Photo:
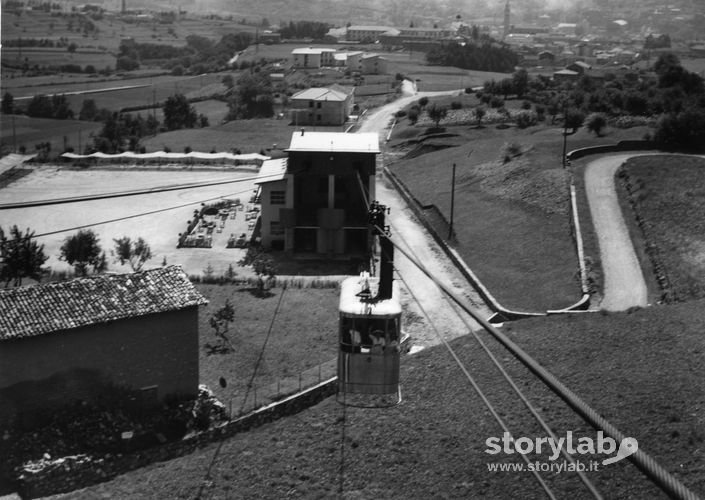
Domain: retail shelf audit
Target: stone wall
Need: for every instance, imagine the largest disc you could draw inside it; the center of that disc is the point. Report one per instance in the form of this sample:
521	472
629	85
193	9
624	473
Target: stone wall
71	473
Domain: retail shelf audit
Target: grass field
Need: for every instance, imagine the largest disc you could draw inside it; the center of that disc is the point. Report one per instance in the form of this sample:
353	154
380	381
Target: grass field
297	342
250	136
29	132
58	57
642	371
668	193
138	91
111	29
511	219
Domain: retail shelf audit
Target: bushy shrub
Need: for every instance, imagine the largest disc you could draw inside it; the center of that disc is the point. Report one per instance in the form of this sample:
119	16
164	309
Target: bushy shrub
526	119
629	121
496	101
456	105
510	150
413	115
400	114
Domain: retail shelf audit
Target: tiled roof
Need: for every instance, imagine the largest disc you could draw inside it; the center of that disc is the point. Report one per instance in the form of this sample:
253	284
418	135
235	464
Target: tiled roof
36	310
332	93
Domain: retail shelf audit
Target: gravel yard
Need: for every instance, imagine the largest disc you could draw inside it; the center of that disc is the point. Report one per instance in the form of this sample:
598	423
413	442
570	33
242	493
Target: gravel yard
170	211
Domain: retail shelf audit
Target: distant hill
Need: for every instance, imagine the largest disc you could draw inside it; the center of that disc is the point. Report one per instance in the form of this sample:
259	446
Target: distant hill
339	12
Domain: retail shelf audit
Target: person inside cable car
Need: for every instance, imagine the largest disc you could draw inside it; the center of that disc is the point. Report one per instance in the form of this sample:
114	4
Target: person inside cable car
378	341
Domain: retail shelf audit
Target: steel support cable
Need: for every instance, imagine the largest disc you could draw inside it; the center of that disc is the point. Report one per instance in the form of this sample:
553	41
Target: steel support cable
583	477
120	194
207	478
668	483
537	416
134	216
341	485
261	353
477	389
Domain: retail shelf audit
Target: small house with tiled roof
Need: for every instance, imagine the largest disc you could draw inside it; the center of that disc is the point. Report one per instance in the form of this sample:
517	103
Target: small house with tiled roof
321	105
71	340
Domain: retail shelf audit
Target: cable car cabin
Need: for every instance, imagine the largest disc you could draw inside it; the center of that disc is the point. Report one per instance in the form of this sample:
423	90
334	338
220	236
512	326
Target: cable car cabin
369	336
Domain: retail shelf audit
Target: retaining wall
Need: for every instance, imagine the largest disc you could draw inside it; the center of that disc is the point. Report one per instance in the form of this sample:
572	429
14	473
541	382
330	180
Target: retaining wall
610	148
501	314
71	473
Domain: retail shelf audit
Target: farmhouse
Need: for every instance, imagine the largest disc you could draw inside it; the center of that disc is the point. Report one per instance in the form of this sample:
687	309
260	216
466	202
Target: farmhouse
73	340
314	201
321	106
373	64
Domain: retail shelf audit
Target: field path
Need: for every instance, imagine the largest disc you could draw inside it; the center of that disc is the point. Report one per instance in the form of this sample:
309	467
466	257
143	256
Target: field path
378	120
625	286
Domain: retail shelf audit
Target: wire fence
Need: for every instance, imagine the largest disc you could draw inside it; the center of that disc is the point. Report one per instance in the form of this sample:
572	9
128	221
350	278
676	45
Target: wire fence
260	396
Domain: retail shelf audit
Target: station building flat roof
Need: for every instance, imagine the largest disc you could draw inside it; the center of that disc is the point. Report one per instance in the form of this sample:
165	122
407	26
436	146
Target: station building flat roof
339	142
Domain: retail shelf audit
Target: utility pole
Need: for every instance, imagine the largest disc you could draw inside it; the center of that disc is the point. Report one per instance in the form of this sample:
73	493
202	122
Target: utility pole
452	204
565	132
14	134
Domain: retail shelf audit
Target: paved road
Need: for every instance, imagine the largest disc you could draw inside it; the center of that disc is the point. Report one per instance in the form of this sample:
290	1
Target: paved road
624	286
406	229
379	119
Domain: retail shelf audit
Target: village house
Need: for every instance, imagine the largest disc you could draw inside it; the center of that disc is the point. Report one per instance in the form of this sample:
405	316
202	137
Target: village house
321	106
313	58
367	33
314	203
74	340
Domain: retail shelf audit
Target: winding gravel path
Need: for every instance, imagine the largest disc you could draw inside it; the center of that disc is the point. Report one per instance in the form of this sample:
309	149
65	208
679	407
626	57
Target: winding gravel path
624	286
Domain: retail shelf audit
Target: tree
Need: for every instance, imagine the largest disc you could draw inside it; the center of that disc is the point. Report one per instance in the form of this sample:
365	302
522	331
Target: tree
685	130
40	106
83	250
573	120
413	114
125	63
8	104
136	253
252	99
595	123
89	110
20	256
479	115
220	323
178	113
262	265
437	113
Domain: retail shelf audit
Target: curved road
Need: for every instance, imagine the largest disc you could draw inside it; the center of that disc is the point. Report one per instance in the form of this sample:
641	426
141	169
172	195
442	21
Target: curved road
624	285
379	119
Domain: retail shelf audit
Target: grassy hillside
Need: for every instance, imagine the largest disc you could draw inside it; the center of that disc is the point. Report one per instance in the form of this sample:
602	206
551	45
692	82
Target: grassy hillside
511	218
642	371
667	194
